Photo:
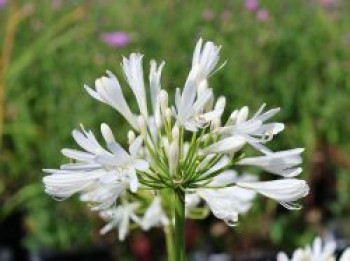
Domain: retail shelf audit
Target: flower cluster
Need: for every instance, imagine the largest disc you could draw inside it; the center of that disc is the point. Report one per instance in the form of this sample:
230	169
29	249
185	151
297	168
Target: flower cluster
316	252
187	147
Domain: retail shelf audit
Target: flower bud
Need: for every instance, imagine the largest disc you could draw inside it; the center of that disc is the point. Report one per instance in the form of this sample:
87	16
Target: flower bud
158	120
131	136
107	133
168	114
173	157
203	85
220	103
175	133
163	100
142	125
242	114
232	119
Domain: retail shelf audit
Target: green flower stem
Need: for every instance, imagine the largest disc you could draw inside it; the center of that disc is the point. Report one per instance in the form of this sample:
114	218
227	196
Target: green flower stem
169	238
179	224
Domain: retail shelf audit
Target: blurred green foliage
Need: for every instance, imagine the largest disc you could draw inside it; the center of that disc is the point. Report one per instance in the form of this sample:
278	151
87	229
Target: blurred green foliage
298	59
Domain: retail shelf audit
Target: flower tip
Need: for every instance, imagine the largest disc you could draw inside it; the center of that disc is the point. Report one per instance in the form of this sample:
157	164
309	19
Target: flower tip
107	132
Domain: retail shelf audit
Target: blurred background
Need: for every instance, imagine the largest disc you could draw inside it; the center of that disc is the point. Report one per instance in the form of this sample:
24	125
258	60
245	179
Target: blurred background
289	53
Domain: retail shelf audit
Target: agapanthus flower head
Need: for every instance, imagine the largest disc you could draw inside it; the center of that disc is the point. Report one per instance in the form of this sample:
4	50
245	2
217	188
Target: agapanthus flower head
186	146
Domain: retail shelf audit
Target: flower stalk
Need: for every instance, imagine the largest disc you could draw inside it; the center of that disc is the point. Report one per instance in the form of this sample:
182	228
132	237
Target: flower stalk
179	224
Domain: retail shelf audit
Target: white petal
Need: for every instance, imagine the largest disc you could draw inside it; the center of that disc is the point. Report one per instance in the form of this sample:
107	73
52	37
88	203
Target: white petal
230	144
133	71
284	191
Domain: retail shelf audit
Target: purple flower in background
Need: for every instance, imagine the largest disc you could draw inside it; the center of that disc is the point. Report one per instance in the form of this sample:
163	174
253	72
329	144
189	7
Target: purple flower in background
327	3
262	15
3	3
208	15
116	39
251	5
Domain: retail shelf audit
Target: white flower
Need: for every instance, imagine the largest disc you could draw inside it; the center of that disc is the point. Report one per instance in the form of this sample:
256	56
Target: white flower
204	60
255	131
120	217
155	88
316	252
108	90
298	255
133	72
225	202
284	191
346	255
226	145
163	157
154	215
190	103
99	174
283	163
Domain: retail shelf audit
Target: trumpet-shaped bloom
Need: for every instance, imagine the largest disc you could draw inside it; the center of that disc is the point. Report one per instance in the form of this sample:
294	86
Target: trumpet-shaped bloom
283	163
225	202
254	130
108	90
120	217
154	215
99	174
284	191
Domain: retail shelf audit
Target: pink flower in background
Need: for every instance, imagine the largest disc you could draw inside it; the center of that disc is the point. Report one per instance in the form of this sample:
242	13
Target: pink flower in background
262	15
3	3
327	3
208	15
251	5
116	39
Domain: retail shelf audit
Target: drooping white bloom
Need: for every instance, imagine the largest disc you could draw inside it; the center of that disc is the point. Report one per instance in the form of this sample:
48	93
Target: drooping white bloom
225	202
283	163
316	252
284	191
154	215
120	217
100	175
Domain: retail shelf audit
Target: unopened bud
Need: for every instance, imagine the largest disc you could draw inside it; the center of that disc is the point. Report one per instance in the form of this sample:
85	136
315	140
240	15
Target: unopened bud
220	103
107	133
242	114
163	100
168	114
142	124
175	133
173	157
203	85
232	119
131	136
158	120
